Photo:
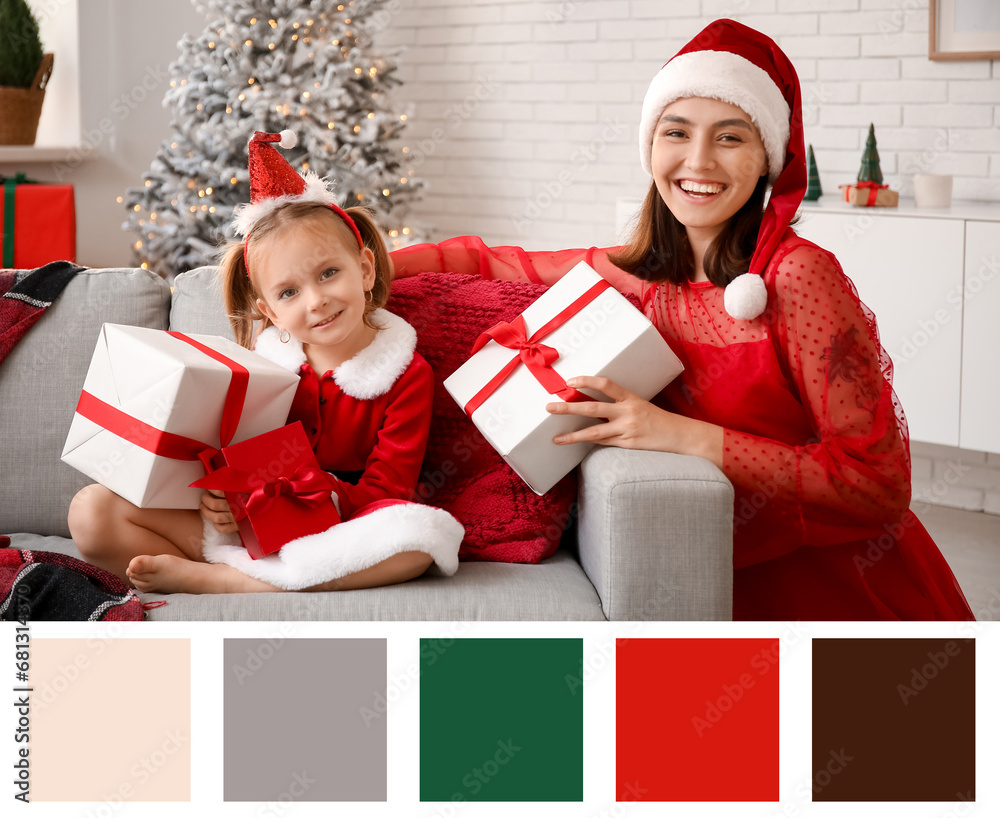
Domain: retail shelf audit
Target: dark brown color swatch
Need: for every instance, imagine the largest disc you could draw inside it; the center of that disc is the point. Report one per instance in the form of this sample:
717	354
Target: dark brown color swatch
894	720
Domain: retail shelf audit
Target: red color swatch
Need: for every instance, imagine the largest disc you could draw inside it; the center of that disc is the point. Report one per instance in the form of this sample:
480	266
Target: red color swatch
697	720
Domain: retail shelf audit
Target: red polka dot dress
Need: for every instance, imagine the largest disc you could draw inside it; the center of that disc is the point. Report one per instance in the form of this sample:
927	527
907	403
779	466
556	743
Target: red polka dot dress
815	441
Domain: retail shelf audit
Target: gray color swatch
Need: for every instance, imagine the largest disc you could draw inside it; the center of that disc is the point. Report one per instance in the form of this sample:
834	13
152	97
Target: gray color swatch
304	720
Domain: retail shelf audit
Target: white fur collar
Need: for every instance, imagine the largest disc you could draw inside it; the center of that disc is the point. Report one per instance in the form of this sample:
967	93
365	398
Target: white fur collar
370	373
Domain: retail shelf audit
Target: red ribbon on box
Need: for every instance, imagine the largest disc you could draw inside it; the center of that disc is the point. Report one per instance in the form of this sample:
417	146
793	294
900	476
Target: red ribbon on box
167	444
537	357
307	484
275	488
872	187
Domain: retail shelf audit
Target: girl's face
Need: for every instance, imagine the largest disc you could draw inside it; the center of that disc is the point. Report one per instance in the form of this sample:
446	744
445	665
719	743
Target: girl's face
313	281
707	159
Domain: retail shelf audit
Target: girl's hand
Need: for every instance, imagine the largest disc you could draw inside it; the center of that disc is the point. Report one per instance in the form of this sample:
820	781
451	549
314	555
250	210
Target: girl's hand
215	508
634	423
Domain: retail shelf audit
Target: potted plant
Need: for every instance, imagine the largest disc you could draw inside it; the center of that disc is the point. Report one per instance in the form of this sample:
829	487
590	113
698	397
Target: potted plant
24	73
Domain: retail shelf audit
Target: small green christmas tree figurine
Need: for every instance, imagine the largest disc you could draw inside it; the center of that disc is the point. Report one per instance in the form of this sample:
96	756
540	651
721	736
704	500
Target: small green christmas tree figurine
815	189
869	191
871	170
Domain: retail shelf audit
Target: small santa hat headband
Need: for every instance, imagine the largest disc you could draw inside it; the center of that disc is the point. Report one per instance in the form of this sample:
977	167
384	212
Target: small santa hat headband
736	64
274	183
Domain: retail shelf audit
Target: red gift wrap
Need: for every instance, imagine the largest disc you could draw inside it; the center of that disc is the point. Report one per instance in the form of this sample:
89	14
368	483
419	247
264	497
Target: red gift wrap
275	487
37	223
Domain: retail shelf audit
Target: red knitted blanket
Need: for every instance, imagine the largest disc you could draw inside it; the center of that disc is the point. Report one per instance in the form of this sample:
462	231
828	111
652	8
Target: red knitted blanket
44	586
504	520
25	295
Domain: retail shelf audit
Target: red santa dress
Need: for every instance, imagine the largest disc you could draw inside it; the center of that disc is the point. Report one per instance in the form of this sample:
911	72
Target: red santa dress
368	423
815	441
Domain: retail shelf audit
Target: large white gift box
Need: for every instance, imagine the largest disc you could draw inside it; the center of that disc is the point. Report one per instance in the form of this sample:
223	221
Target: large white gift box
151	391
602	334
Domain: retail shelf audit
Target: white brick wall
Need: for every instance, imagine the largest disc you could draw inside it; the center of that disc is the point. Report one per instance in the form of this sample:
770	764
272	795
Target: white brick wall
557	72
956	477
522	120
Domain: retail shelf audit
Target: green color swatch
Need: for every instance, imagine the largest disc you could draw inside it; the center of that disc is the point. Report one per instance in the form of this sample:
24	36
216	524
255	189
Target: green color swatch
501	720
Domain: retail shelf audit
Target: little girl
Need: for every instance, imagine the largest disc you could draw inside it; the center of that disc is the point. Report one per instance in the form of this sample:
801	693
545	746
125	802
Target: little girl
316	278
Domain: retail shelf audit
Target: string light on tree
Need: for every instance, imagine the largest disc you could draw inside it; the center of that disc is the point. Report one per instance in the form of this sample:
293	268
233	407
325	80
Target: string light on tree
253	69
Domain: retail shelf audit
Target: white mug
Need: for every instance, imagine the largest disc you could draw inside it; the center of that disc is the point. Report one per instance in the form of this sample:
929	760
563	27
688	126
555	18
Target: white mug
932	190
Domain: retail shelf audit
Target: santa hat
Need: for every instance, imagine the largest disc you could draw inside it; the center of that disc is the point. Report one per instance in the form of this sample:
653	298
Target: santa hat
274	183
736	64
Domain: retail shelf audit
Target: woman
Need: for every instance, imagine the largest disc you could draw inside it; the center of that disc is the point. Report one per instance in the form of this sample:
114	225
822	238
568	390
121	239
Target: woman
786	387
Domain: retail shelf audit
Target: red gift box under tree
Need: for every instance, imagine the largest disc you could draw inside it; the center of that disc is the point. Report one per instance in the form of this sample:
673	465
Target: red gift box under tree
38	221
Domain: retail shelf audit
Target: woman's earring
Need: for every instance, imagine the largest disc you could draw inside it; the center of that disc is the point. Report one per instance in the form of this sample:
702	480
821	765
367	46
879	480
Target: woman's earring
369	297
284	336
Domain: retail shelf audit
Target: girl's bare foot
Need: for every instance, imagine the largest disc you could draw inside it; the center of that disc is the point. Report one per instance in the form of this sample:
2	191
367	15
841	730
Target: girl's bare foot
166	574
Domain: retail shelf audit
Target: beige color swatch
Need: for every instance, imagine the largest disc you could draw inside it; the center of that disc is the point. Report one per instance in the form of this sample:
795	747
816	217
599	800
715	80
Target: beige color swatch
110	720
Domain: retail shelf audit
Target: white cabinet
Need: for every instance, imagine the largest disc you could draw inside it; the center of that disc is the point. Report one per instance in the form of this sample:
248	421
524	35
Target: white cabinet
932	278
980	427
909	273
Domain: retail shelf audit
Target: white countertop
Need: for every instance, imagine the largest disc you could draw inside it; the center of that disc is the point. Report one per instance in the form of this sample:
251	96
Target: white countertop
968	210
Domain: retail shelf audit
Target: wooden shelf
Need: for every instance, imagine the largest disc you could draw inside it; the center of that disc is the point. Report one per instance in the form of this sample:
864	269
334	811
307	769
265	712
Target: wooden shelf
34	154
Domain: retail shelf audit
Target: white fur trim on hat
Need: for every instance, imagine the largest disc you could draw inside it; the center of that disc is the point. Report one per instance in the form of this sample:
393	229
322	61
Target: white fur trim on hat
725	76
348	547
745	297
371	372
245	216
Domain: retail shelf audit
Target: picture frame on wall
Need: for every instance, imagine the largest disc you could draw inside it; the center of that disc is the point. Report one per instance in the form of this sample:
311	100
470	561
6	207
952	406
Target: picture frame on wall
964	30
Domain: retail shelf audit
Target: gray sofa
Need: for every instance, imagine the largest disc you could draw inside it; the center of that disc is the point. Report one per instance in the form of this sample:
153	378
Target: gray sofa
653	537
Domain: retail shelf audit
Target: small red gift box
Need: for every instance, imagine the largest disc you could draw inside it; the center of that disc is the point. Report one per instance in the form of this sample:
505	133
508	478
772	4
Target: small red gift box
275	487
38	223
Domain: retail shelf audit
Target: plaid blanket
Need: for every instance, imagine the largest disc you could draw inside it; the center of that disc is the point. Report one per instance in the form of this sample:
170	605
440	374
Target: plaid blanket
24	296
44	586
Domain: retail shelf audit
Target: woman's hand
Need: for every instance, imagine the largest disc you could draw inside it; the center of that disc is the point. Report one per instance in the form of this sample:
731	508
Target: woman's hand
634	423
215	508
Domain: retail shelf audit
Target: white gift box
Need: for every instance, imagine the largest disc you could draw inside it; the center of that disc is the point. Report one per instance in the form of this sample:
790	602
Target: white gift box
172	386
607	337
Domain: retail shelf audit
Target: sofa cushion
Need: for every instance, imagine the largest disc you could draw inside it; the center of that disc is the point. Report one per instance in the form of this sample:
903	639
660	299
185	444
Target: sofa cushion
557	589
196	305
40	383
504	519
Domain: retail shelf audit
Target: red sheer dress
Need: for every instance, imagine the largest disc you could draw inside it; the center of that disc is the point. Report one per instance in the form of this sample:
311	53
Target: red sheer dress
815	441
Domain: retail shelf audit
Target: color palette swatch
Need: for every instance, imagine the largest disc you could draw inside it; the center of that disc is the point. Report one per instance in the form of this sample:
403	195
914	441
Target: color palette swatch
697	720
111	720
501	720
894	720
305	720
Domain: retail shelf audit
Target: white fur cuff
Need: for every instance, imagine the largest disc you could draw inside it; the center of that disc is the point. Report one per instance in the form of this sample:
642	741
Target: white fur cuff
349	547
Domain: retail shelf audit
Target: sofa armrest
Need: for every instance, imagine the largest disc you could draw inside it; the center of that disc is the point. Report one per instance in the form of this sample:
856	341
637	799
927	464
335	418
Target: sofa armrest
656	535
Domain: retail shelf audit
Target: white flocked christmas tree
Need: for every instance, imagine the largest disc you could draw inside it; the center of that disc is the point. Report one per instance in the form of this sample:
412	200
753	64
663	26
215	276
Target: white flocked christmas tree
271	65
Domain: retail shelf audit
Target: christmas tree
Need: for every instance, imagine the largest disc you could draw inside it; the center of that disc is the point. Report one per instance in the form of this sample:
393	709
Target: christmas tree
271	65
871	170
814	189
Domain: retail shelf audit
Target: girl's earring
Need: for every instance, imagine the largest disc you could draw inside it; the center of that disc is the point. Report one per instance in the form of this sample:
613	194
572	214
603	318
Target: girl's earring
369	297
284	336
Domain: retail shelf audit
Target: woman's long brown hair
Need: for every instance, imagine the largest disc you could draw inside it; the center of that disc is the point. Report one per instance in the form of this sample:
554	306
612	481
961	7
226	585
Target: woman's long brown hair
658	249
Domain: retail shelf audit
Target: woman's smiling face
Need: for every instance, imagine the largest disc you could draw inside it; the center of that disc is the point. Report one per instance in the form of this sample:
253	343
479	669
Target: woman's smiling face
707	158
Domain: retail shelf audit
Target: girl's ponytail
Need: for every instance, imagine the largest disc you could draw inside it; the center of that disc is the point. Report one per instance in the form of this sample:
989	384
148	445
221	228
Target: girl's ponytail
238	294
375	241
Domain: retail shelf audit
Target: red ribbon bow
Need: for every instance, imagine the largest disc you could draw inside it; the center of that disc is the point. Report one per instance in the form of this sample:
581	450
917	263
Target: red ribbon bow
537	357
873	188
307	484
